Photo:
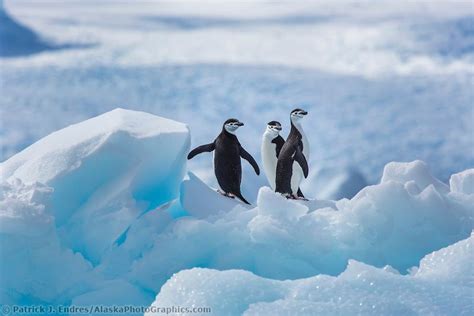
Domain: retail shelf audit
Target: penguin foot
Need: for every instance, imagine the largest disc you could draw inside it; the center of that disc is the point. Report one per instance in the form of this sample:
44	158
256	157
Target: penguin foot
229	195
288	196
301	198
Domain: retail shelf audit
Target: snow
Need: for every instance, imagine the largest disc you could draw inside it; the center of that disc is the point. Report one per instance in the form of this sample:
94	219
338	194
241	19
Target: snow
416	171
101	212
22	208
104	172
79	193
35	268
95	204
201	201
381	81
441	286
463	182
385	224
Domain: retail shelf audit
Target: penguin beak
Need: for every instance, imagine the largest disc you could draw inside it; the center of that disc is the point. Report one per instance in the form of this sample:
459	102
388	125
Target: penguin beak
278	128
303	113
239	124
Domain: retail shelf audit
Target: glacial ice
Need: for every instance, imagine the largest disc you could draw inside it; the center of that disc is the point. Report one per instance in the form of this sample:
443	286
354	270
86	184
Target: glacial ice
385	224
69	200
104	172
462	182
99	212
441	286
201	201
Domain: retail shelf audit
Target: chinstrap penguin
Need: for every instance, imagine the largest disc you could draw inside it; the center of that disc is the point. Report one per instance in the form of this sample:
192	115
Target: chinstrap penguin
227	153
292	163
272	143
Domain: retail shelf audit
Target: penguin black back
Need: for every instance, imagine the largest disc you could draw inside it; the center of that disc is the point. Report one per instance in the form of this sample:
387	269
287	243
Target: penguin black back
279	142
227	165
227	154
292	150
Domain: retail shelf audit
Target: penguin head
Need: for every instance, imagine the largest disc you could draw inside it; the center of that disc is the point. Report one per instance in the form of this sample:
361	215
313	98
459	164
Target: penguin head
297	114
231	125
273	128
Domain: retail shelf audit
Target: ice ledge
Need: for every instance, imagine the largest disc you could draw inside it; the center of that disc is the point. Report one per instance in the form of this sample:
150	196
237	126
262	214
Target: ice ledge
64	150
105	172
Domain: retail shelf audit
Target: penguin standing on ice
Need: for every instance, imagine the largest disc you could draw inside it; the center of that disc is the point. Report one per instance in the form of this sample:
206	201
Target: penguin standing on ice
292	163
227	154
272	143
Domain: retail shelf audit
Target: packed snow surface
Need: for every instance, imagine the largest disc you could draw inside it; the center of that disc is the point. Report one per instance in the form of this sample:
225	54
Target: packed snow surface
101	213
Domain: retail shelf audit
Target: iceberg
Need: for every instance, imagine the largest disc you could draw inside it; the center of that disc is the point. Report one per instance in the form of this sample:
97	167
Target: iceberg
442	285
69	200
102	212
463	182
201	201
396	222
104	173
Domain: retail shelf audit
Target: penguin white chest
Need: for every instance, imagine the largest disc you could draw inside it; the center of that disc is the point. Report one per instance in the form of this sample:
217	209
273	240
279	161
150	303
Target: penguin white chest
304	140
297	177
269	160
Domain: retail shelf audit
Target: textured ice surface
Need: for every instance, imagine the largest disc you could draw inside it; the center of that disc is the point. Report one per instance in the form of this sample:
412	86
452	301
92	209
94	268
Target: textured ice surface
443	285
201	201
95	213
463	182
104	172
90	195
35	268
396	222
381	82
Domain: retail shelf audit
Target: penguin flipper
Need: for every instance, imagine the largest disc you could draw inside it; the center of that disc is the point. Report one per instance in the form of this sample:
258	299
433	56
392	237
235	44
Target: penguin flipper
244	154
279	142
301	160
200	149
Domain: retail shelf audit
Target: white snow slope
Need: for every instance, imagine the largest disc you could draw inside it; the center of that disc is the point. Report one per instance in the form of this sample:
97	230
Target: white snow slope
90	215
